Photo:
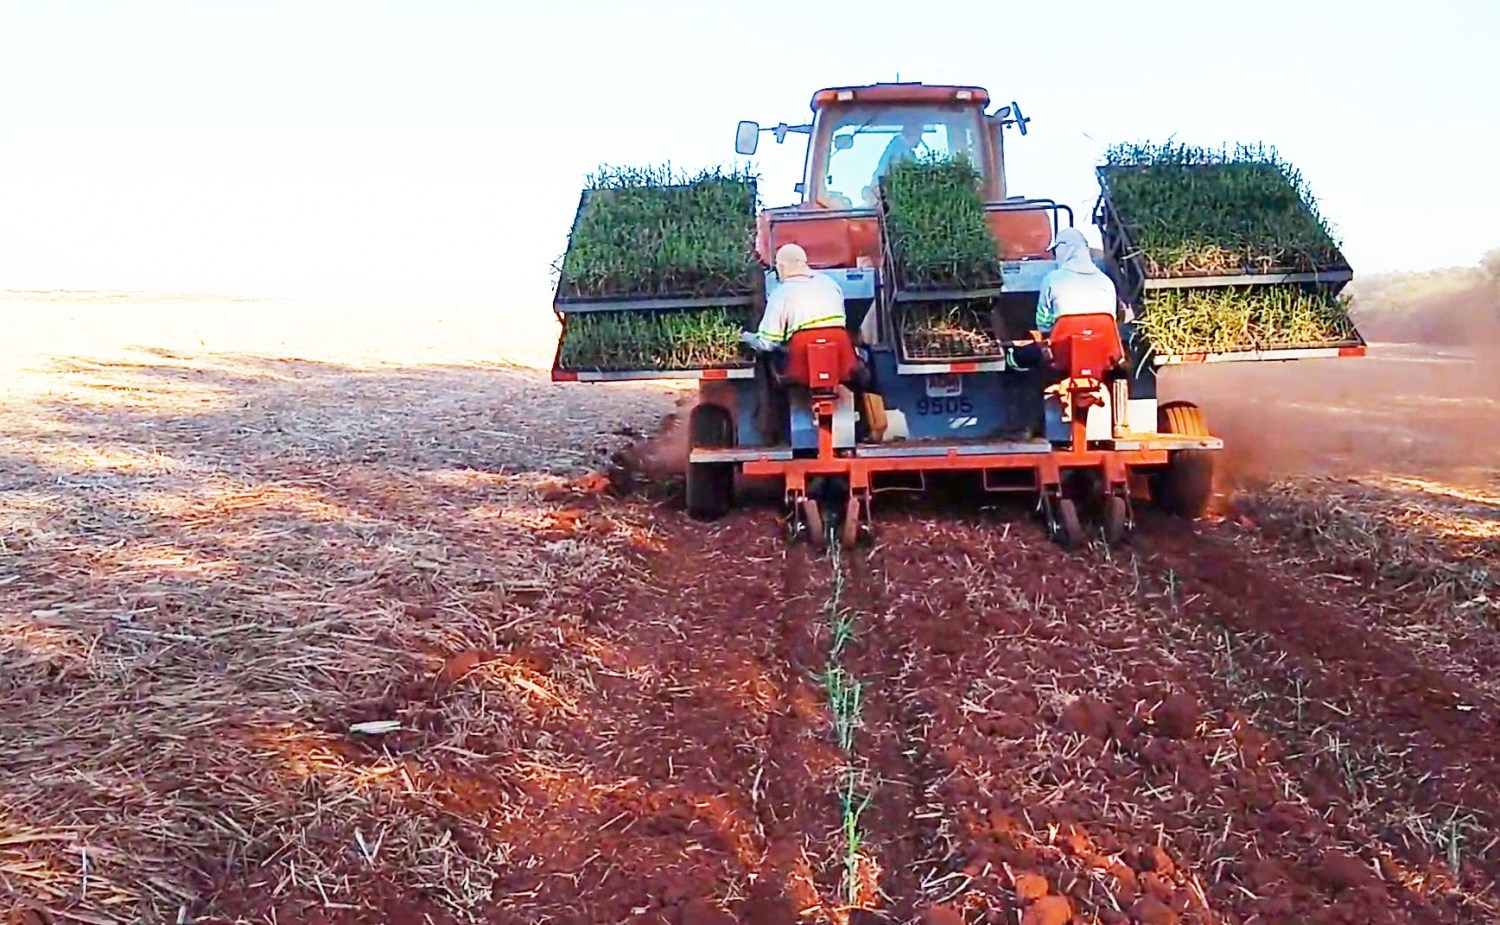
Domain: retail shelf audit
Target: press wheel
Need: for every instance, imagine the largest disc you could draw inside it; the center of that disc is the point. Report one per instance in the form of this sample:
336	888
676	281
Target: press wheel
1069	531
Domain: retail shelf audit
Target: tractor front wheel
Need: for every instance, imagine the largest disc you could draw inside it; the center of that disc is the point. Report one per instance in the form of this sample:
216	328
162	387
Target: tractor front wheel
710	485
1186	485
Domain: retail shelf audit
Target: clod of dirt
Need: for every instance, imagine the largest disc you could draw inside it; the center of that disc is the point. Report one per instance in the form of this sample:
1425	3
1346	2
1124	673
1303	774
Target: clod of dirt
1031	887
1177	717
942	915
1008	726
1076	841
1151	911
1002	823
1160	861
1049	910
1088	716
1343	872
1128	883
1158	886
767	905
461	663
593	483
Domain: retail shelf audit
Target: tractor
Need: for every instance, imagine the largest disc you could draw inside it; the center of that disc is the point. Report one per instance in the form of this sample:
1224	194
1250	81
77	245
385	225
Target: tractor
1084	435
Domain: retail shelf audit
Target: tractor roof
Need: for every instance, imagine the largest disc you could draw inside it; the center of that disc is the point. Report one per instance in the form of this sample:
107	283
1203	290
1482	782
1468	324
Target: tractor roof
899	93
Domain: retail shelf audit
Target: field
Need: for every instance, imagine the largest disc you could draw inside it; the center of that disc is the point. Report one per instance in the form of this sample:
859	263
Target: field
231	532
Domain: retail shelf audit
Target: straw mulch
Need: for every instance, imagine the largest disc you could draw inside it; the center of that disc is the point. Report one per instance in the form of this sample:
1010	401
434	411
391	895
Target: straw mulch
211	568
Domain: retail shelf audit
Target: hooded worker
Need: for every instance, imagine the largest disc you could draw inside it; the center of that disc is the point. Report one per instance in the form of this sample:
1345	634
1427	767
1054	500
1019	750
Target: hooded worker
1076	287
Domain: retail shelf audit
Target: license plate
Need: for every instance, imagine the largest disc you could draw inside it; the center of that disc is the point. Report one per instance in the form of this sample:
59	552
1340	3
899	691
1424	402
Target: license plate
945	386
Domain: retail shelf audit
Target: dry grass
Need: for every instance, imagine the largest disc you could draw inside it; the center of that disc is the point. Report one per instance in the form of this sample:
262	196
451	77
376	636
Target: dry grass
1411	533
213	563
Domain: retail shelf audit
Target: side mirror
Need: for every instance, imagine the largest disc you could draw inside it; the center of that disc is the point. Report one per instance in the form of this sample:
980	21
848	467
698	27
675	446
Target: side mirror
1021	120
747	138
843	142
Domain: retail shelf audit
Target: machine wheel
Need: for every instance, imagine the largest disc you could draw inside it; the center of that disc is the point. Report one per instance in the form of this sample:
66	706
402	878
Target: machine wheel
1186	486
710	486
1116	519
855	529
812	516
1069	527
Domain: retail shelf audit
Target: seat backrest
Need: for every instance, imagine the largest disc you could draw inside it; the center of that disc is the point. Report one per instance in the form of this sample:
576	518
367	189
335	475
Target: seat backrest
1086	346
821	359
826	367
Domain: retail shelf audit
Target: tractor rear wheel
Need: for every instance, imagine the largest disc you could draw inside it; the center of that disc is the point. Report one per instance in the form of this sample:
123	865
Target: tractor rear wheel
1187	484
710	485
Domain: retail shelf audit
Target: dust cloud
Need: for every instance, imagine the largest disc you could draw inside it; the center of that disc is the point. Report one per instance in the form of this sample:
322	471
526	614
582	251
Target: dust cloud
1424	402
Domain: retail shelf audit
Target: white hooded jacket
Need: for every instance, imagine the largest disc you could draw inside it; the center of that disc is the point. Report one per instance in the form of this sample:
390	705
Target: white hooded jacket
1076	287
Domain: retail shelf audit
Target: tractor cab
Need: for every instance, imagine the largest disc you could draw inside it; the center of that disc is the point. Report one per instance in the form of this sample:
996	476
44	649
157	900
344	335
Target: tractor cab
856	134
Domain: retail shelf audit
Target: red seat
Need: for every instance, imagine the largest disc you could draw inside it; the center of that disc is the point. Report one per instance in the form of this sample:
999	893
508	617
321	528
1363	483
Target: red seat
820	358
1086	346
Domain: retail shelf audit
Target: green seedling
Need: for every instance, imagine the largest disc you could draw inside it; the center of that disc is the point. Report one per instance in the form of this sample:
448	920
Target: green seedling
1221	320
1191	210
648	232
653	340
934	216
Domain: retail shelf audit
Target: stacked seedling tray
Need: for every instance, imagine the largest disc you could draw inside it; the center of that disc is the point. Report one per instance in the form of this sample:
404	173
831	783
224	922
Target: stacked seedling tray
1223	253
935	332
942	268
660	275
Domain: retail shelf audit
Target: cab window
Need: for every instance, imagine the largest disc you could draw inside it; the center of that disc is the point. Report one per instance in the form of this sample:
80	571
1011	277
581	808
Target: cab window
863	141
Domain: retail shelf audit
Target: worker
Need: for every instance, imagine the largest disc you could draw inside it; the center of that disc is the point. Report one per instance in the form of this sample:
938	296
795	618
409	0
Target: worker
805	301
1076	287
903	147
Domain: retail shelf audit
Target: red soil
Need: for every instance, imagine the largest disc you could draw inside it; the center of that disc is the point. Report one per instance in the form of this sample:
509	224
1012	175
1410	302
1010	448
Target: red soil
1193	730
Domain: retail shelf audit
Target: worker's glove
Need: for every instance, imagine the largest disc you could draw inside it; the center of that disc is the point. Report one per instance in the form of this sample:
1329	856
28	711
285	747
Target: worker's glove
1127	314
756	342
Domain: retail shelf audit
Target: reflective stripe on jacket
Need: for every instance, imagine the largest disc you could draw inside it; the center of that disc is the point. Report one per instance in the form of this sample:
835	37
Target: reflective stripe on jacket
802	303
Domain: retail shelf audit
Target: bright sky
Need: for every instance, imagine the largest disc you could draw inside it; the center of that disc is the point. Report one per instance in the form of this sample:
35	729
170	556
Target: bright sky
435	150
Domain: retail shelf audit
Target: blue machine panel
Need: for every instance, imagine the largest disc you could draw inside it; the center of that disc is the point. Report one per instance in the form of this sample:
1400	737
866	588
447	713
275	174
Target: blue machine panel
966	406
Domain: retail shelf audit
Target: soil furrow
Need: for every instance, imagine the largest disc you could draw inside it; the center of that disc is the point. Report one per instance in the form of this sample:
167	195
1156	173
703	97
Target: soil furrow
1083	731
798	804
1350	676
891	742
